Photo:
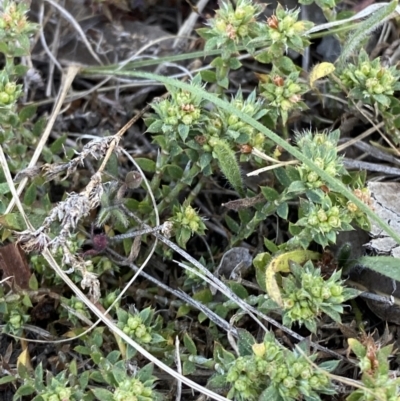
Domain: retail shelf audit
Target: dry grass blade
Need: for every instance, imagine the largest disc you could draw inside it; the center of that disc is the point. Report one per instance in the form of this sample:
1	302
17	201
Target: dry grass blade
66	84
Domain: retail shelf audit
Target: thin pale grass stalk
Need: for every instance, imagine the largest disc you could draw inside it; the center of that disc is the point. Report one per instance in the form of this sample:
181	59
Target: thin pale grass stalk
14	193
54	51
179	369
66	84
362	136
265	157
77	27
212	316
53	61
231	339
269	168
362	14
188	26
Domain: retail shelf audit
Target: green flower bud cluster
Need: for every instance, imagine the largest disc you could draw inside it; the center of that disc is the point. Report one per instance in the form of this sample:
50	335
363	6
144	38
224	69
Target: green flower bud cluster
9	93
321	149
374	366
284	31
283	94
233	128
179	114
246	379
370	82
288	372
60	393
323	221
135	327
326	219
13	21
110	298
284	26
232	26
133	389
306	295
186	222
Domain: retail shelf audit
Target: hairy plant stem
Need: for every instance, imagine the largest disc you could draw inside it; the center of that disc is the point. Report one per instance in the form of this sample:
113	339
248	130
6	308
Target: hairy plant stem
195	192
162	160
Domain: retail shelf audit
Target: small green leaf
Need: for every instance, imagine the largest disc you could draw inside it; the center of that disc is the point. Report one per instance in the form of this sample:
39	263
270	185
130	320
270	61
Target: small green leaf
175	172
33	283
201	317
224	82
270	194
264	57
27	112
155	127
183	311
234	63
270	394
357	348
4	48
188	368
232	224
283	210
146	372
4	188
84	379
296	187
25	389
102	394
260	263
329	366
57	145
113	356
12	221
7	379
271	246
238	289
282	177
183	131
208	76
146	315
147	165
189	344
204	296
112	166
30	195
245	342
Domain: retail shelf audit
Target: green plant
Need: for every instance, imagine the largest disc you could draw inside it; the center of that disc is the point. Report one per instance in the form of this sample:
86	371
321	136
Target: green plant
306	295
209	133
